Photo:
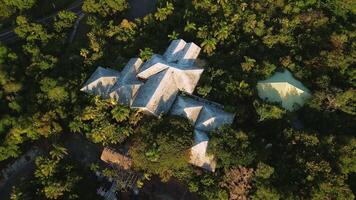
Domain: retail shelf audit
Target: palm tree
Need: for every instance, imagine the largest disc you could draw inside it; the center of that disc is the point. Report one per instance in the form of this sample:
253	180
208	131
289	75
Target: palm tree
163	13
58	152
189	27
209	45
146	53
223	32
173	36
120	113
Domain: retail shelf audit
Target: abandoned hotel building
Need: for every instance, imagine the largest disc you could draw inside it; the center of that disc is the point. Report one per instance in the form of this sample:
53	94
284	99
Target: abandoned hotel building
155	86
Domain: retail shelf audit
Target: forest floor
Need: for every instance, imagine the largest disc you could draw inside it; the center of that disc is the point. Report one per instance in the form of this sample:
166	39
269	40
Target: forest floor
82	150
78	147
171	190
140	8
17	179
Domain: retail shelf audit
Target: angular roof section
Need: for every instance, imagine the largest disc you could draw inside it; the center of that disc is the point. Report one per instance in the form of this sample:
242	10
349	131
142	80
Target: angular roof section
182	52
186	78
283	88
174	50
128	74
189	54
152	66
166	75
127	85
187	107
163	87
205	115
157	94
101	82
212	117
198	156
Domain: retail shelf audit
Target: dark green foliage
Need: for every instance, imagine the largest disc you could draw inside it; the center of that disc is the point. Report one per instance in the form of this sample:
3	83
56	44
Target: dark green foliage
266	111
231	147
161	146
207	185
64	21
56	176
20	4
306	154
105	122
104	8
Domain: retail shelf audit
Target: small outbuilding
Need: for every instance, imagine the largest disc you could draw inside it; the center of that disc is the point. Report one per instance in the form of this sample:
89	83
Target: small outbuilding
283	88
112	157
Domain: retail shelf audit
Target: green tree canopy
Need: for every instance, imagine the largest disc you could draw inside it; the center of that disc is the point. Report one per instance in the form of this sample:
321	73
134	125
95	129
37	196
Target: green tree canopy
231	147
161	146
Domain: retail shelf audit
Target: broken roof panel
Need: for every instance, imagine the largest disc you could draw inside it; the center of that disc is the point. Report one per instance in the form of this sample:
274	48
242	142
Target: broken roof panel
101	82
285	89
198	156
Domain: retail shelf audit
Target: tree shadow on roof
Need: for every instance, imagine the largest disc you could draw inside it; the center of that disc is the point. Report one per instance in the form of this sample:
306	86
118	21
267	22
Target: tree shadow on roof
100	90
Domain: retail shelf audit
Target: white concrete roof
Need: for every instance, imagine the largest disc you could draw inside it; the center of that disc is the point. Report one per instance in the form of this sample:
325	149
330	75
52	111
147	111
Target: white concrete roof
189	54
205	115
182	52
198	156
128	74
187	107
186	77
174	50
283	88
158	88
165	76
212	117
157	94
152	66
101	82
127	85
